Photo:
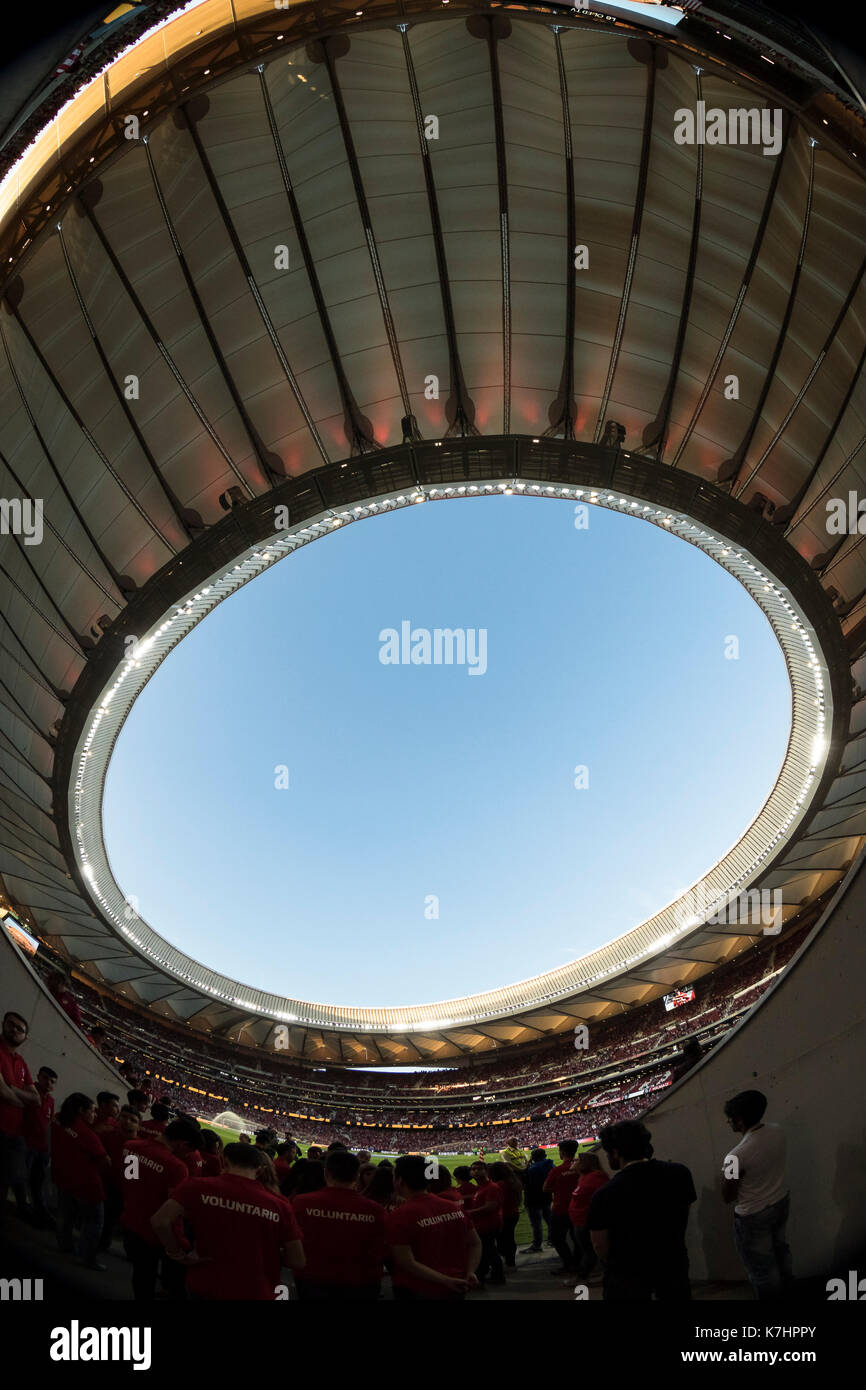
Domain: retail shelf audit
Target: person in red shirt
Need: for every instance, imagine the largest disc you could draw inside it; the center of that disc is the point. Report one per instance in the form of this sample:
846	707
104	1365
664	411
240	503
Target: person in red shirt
107	1111
434	1247
16	1092
465	1186
343	1235
561	1182
59	987
592	1177
242	1233
35	1128
113	1140
486	1216
152	1169
211	1154
443	1186
511	1188
155	1127
79	1165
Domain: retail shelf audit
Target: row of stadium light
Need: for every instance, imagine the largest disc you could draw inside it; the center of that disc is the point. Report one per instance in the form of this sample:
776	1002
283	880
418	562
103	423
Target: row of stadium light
136	669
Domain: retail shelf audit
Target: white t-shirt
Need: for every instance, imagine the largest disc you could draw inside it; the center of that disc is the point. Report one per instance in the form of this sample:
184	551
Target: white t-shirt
760	1155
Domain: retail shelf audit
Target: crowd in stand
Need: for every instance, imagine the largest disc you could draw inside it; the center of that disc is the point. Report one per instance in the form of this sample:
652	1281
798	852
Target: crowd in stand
202	1221
629	1057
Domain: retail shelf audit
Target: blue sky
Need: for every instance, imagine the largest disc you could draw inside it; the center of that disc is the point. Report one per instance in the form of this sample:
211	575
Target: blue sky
410	783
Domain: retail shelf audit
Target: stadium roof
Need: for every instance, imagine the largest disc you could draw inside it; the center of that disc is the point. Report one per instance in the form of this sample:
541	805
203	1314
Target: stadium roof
234	259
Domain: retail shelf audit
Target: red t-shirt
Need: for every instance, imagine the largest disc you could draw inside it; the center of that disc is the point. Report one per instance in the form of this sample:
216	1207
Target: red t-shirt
488	1220
113	1140
13	1069
150	1129
67	1001
282	1168
343	1235
437	1233
159	1172
561	1181
104	1126
211	1165
35	1122
467	1191
78	1161
450	1194
240	1231
588	1185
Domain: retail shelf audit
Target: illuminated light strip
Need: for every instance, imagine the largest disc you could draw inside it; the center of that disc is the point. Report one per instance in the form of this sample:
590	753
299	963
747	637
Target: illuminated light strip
43	153
782	812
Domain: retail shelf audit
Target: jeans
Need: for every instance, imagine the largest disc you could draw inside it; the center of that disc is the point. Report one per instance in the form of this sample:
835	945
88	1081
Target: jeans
110	1216
505	1242
762	1247
37	1172
88	1215
560	1231
491	1260
536	1214
144	1259
587	1258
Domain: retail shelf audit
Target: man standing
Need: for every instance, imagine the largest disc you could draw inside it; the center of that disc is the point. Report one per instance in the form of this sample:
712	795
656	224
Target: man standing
114	1136
343	1235
107	1111
754	1180
16	1092
560	1183
152	1167
242	1233
638	1220
434	1247
537	1200
516	1157
486	1216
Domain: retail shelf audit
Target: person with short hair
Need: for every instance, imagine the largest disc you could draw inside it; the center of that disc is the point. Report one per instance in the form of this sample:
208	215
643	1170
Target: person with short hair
152	1167
107	1111
560	1183
343	1235
537	1200
58	985
515	1157
242	1233
211	1153
434	1247
138	1100
245	1139
486	1216
308	1175
155	1127
35	1131
638	1220
79	1165
754	1180
16	1092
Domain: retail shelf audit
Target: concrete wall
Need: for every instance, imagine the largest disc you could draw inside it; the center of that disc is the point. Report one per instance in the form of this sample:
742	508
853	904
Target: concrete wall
804	1046
54	1041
